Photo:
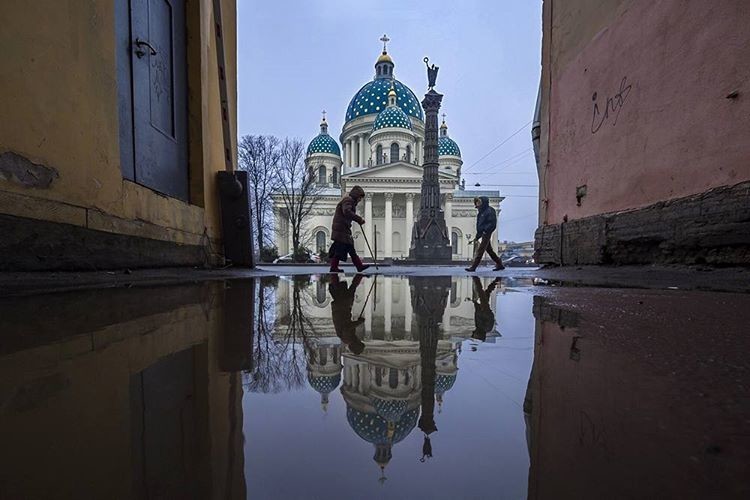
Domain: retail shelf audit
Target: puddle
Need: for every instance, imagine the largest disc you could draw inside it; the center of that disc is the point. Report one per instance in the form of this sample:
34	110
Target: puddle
388	387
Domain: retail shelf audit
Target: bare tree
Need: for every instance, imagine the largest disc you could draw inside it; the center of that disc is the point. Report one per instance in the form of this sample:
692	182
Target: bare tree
297	190
259	155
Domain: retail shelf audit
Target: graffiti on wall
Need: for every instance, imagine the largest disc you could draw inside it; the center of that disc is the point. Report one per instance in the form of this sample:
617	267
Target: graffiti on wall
612	107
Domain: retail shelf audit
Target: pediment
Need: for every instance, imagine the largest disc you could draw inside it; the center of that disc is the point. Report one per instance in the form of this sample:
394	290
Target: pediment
398	170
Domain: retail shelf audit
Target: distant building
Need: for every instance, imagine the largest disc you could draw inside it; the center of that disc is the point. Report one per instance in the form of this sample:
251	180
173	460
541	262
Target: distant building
383	151
642	132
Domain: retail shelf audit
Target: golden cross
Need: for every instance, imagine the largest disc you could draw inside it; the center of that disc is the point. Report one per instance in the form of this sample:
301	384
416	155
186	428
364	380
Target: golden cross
385	40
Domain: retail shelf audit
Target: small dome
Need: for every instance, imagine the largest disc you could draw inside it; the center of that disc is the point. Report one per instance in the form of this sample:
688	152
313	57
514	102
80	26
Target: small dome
448	147
374	429
384	57
323	143
324	384
444	383
392	117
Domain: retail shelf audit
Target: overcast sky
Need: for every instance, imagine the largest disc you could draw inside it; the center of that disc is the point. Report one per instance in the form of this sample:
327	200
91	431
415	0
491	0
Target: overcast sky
296	58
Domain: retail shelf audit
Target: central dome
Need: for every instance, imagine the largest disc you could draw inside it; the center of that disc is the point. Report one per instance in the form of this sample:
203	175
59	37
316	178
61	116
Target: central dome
372	98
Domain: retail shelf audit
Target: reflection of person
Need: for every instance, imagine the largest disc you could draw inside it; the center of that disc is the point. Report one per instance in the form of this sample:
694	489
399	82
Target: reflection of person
341	312
341	231
484	318
486	224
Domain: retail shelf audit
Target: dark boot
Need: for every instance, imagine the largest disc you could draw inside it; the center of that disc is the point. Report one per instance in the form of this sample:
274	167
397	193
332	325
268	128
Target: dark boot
358	264
499	266
335	265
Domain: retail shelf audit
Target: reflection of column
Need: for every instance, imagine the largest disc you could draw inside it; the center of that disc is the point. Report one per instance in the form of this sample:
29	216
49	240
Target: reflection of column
387	303
368	218
407	309
368	318
388	236
409	221
447	316
362	162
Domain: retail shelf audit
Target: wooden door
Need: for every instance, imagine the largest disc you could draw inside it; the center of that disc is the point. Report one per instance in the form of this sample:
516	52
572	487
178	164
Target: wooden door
159	95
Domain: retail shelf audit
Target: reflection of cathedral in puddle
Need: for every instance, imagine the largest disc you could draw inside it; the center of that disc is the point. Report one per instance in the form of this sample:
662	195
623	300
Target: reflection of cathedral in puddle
383	386
389	314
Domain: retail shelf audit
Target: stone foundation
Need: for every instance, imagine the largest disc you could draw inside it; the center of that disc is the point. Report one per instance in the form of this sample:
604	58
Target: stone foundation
36	245
708	228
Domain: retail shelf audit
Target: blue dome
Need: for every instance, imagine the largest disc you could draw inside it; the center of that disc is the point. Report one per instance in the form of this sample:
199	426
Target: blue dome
323	143
444	383
390	409
392	117
324	385
372	98
447	146
374	429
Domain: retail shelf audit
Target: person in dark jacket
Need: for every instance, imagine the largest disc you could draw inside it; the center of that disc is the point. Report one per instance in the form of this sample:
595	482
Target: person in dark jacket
341	231
484	318
341	312
486	224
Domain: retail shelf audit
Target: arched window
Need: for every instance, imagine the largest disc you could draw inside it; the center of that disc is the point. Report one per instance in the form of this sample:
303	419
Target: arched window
379	155
335	175
454	241
322	174
394	152
378	68
320	241
408	153
320	296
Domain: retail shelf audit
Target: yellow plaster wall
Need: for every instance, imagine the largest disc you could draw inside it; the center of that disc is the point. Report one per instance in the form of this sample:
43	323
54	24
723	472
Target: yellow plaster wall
58	84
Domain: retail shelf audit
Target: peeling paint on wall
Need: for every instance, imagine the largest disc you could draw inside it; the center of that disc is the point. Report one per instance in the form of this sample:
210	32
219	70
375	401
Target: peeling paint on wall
21	170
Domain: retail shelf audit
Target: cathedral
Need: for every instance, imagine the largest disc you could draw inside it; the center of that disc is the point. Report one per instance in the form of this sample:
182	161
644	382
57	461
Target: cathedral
383	151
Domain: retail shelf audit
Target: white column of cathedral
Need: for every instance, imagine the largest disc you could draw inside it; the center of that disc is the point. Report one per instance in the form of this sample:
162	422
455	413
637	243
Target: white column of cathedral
387	303
368	221
388	231
419	151
449	215
409	221
280	229
407	308
362	159
350	153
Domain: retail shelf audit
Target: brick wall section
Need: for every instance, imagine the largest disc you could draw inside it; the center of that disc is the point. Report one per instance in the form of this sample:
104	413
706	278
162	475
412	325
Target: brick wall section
711	227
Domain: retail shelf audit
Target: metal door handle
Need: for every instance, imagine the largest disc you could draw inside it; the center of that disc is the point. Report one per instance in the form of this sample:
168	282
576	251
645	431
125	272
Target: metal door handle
139	44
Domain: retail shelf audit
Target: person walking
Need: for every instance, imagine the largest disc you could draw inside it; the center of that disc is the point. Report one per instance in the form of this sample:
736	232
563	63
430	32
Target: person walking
486	224
484	318
341	312
341	231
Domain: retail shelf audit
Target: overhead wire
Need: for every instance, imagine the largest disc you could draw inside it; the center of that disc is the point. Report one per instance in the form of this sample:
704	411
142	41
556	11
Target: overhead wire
499	145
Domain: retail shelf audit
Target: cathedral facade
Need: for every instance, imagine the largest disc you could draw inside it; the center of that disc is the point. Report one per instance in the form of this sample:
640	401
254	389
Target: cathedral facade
383	151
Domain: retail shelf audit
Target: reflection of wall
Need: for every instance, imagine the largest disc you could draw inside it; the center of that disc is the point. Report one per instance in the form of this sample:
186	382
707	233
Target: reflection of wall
70	409
623	404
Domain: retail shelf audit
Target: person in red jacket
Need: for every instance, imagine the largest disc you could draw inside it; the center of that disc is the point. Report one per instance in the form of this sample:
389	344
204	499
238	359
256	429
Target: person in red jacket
341	231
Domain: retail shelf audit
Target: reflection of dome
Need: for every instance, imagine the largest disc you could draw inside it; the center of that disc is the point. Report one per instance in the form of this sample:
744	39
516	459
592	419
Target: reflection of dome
323	143
374	429
448	147
390	409
392	117
324	384
444	383
372	98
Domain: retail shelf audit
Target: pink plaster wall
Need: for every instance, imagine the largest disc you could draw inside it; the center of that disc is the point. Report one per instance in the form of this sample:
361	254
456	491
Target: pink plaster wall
671	131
